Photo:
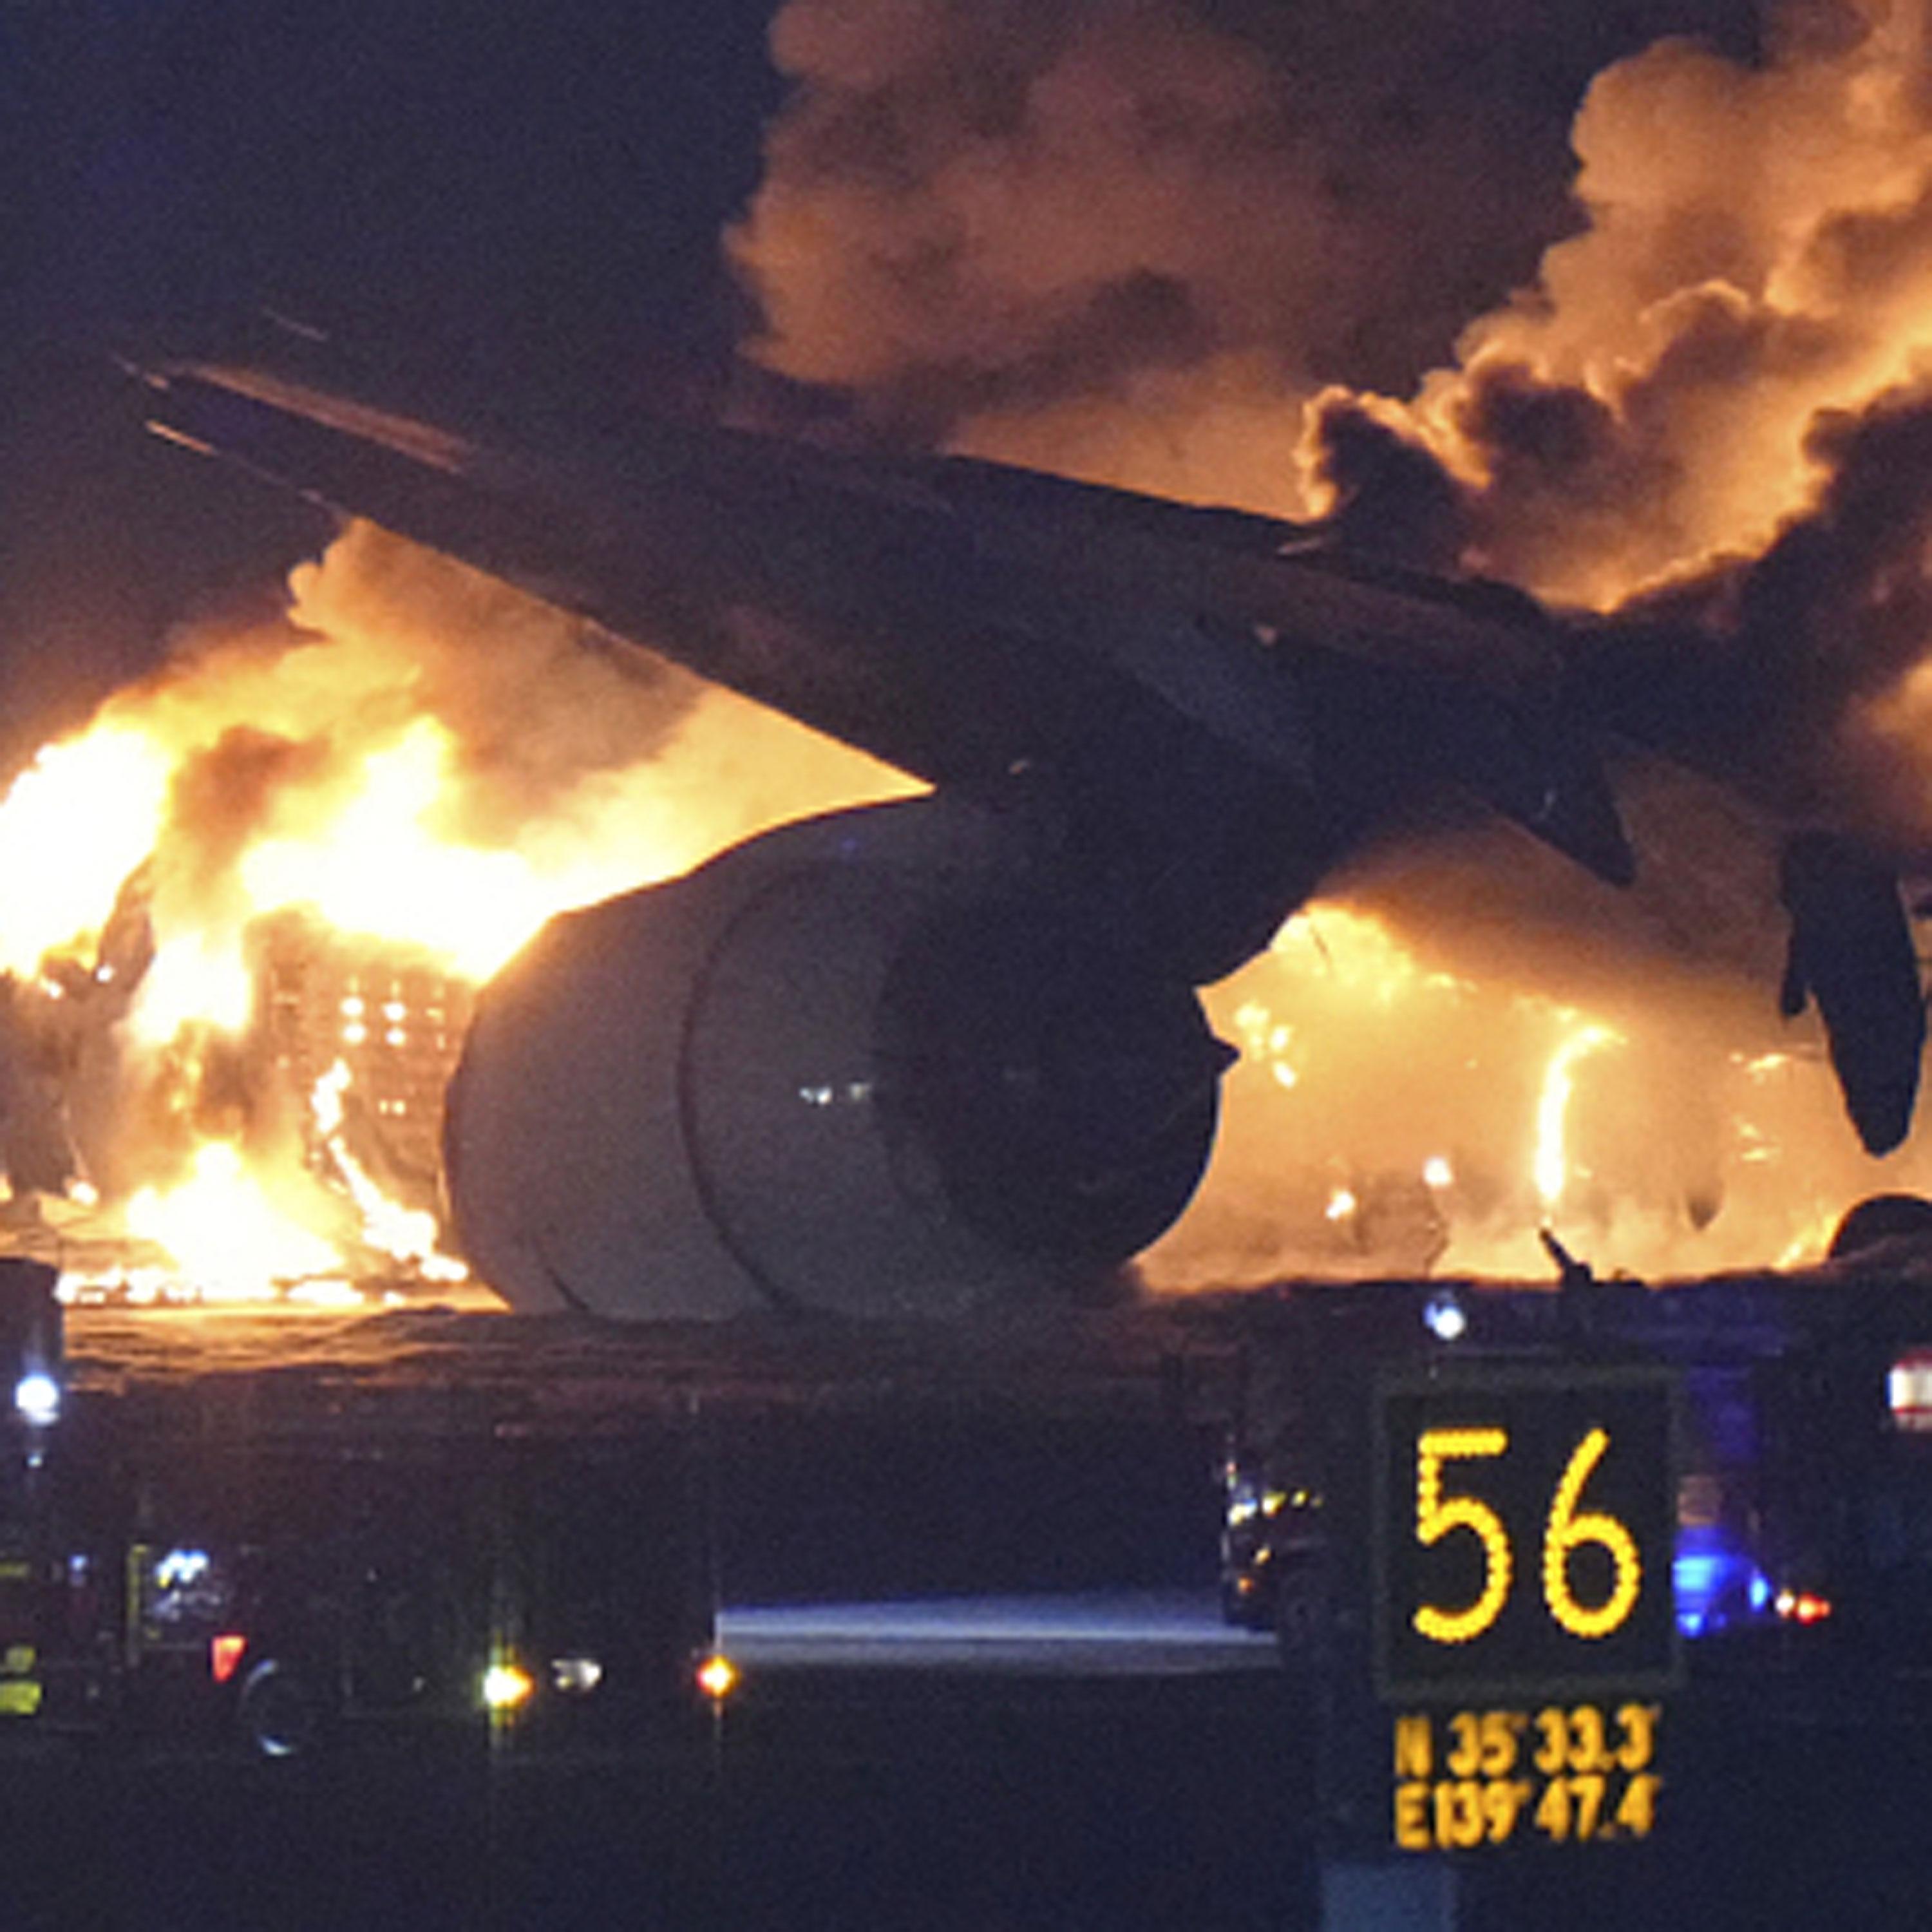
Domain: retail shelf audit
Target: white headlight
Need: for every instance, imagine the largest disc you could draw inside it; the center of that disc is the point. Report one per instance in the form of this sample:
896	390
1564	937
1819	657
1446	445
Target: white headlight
36	1398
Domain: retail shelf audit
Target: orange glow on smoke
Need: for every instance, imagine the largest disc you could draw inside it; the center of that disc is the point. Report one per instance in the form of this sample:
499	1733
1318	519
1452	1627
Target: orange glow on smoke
1753	259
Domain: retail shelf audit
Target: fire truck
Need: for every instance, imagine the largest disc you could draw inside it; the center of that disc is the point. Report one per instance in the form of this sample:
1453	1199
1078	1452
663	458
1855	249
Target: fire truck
277	1562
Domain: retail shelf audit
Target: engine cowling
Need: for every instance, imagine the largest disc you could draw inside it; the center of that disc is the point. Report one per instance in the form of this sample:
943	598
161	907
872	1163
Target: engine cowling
863	1064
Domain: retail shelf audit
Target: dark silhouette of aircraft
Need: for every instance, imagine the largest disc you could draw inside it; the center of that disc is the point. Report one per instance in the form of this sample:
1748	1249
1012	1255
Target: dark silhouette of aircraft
929	1054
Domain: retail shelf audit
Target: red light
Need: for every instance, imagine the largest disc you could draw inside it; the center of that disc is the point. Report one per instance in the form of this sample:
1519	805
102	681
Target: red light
717	1677
1800	1606
224	1654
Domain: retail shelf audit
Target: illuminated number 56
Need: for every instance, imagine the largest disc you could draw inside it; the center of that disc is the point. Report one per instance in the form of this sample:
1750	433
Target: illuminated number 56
1568	1530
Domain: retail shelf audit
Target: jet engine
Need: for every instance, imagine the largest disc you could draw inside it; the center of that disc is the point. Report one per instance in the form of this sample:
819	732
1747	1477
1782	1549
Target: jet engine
886	1061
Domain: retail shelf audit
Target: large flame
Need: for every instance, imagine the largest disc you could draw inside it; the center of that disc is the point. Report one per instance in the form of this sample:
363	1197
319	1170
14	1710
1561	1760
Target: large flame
75	824
1399	1108
1552	1165
219	892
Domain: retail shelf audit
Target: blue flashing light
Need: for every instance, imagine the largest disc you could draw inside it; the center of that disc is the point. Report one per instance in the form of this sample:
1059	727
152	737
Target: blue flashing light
1713	1582
1696	1577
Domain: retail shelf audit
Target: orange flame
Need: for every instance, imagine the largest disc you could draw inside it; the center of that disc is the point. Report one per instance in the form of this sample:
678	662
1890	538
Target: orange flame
343	768
1442	1110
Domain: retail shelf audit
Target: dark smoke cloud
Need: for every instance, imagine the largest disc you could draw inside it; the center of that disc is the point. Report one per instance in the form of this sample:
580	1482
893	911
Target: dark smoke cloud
970	209
1134	238
1842	595
1391	496
1792	671
1839	611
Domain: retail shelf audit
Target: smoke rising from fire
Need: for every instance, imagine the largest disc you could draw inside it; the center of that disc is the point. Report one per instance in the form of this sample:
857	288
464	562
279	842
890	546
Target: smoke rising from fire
1334	269
1676	374
524	750
1126	239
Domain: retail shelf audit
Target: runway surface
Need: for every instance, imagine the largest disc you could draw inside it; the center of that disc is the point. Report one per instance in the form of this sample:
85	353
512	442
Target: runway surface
1122	1633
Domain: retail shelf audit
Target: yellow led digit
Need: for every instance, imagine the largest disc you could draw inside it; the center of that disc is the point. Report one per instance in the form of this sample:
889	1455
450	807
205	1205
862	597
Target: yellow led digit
1587	1750
1637	1814
1552	1810
1434	1519
1459	1820
1568	1530
1588	1791
1502	1804
1501	1730
1639	1724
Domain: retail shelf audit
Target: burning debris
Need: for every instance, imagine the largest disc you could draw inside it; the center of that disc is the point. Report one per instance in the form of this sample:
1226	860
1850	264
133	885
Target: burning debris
1420	1111
250	903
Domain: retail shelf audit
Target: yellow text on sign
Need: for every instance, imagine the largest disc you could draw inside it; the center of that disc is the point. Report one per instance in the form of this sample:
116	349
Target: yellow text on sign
1566	1531
1569	1775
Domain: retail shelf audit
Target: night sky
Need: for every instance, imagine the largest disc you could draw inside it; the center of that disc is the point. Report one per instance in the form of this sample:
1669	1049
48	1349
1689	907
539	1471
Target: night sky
540	190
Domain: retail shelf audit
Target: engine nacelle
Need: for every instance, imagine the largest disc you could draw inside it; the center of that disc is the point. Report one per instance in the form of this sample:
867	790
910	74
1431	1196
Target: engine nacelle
861	1064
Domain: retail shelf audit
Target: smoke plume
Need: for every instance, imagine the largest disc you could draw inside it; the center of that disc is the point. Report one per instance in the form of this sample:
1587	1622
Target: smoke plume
1371	268
1126	239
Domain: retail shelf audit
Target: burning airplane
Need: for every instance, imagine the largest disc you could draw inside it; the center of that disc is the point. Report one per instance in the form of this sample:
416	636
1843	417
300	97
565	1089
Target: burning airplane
930	1055
970	1043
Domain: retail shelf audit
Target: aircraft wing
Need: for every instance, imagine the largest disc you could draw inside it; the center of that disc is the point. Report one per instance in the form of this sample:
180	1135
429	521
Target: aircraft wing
1218	709
1217	706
